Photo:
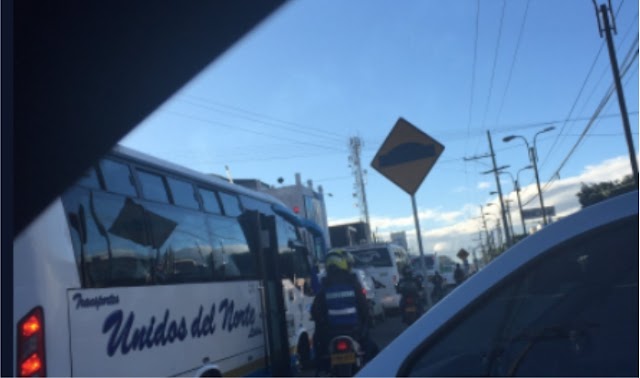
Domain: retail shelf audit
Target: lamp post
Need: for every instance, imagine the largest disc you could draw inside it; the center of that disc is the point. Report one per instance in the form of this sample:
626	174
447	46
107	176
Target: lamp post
533	157
524	228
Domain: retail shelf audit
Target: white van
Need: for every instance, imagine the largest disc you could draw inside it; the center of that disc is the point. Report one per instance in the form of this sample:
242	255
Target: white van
383	262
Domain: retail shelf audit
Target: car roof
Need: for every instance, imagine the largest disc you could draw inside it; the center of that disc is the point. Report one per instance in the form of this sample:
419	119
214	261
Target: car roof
389	361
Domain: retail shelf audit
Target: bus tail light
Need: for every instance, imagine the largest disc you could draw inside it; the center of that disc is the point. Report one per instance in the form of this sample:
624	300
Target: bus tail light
30	349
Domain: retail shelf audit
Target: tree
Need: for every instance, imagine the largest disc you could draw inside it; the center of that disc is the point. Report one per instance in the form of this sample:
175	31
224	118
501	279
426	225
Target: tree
594	193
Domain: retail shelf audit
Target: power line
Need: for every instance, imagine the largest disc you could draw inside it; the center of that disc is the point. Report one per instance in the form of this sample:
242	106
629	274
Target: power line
265	119
495	59
473	82
605	69
217	123
473	66
564	124
459	134
584	83
513	60
600	107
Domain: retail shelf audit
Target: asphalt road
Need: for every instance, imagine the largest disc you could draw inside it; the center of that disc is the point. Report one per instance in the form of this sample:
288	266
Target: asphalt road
385	332
382	334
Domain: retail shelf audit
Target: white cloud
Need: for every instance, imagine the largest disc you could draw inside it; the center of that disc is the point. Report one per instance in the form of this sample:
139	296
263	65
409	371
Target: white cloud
460	228
460	189
484	185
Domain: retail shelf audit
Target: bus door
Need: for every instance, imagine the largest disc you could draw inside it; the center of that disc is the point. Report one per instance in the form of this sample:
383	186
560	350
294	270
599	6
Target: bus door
276	337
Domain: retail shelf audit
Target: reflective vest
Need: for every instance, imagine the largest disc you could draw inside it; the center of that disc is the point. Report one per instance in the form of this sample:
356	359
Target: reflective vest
341	305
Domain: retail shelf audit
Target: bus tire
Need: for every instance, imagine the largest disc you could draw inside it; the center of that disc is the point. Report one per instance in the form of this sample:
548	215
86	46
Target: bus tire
211	373
304	352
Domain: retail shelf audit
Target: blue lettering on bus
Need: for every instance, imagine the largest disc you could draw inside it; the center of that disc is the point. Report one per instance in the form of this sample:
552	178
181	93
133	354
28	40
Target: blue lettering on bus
125	337
95	301
236	318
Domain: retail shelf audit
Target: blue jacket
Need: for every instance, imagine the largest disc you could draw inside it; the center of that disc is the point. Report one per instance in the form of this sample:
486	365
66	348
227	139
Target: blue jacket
341	303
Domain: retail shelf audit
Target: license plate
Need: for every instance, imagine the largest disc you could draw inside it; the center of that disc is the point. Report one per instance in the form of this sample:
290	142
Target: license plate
410	309
343	358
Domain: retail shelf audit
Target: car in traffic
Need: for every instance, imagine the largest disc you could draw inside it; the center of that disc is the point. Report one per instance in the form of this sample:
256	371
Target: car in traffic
561	302
383	262
376	311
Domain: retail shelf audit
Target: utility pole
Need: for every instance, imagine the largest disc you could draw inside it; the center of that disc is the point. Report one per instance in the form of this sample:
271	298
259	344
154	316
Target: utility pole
499	231
496	172
483	249
508	201
497	175
604	14
355	144
490	246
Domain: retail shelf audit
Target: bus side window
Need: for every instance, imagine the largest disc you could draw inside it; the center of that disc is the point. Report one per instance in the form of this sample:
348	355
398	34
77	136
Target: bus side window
153	187
210	201
117	177
182	247
90	179
118	250
182	193
230	204
232	256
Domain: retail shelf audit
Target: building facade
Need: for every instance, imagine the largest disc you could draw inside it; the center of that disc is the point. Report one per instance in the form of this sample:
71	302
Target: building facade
399	238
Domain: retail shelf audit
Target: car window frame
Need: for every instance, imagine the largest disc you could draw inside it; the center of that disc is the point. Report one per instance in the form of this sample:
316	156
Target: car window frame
408	363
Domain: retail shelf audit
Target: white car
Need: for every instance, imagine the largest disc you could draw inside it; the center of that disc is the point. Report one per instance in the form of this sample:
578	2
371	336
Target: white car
562	302
375	304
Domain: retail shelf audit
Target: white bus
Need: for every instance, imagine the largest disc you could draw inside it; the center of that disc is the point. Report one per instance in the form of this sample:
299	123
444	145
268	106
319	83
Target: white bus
146	268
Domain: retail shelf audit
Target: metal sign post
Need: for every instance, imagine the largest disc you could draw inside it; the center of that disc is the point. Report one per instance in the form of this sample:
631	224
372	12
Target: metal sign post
419	237
405	158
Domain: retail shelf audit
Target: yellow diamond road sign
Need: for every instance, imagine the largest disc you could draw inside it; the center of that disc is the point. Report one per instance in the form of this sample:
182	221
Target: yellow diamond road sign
407	156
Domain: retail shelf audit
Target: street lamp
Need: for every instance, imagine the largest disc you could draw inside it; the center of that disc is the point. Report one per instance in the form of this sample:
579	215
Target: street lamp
533	157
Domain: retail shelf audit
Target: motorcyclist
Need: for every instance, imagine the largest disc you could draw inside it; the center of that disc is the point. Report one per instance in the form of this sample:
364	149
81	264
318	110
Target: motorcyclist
340	308
410	285
438	290
458	275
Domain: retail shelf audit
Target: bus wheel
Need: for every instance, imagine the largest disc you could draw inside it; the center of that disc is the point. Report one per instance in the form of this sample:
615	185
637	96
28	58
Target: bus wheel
304	352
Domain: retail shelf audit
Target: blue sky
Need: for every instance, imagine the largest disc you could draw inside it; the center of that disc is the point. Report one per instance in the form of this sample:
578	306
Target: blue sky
288	97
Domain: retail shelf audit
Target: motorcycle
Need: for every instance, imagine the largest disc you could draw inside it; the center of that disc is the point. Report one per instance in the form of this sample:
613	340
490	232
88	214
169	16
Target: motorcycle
346	356
411	305
411	308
